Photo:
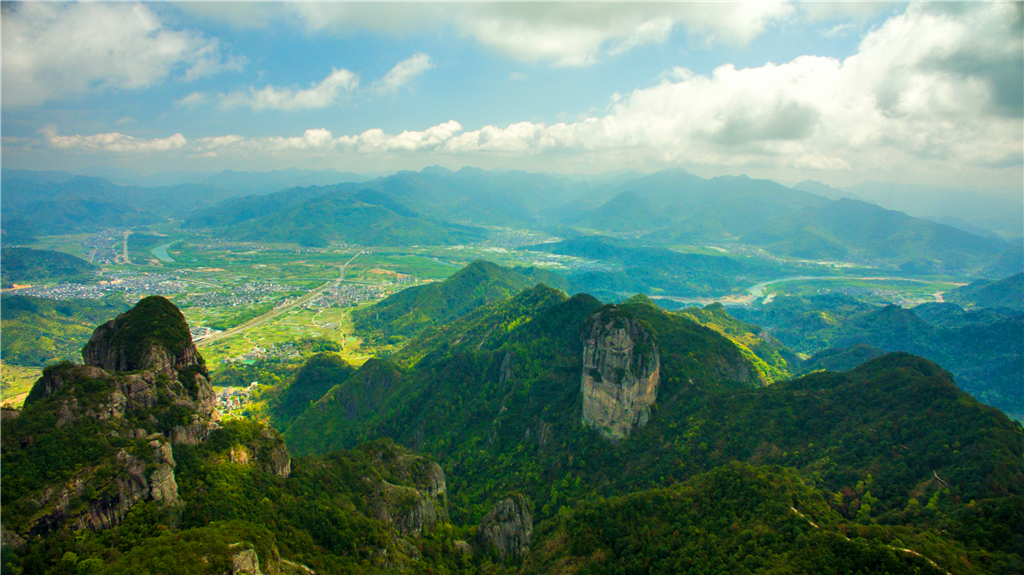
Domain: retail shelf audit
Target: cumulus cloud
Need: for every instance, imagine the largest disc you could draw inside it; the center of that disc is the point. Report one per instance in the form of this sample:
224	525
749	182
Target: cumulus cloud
112	142
51	51
338	85
403	73
929	87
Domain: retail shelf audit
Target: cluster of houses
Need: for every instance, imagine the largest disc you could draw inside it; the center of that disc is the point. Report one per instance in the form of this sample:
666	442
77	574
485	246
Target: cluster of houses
234	398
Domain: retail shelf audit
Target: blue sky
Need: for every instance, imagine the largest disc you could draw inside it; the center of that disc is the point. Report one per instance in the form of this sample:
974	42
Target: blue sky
836	92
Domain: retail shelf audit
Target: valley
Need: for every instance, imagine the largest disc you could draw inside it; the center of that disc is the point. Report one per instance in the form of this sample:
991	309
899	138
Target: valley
538	371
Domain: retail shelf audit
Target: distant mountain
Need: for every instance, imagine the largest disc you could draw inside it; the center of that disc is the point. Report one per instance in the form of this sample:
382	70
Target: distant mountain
984	351
996	210
626	212
44	205
23	265
858	230
825	190
276	180
627	268
1007	292
340	217
410	311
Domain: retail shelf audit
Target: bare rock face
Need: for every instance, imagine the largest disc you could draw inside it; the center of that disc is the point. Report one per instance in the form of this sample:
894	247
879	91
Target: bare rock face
507	528
621	374
266	451
245	562
134	480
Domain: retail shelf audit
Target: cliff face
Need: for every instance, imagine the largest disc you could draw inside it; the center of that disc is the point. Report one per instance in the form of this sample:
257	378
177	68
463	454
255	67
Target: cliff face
621	374
414	500
507	528
143	389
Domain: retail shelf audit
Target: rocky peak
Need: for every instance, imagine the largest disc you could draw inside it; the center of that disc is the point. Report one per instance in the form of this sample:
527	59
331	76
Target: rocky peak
151	336
621	373
507	528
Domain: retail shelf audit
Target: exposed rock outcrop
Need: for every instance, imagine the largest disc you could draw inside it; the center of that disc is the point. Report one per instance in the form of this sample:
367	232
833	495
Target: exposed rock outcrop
245	562
266	451
621	373
507	528
163	399
134	479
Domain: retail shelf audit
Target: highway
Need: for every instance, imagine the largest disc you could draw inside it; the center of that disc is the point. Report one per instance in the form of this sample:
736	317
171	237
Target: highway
260	320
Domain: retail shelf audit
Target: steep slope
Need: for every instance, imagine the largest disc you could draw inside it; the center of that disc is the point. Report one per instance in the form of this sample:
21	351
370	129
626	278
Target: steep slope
983	349
520	374
406	313
120	466
1007	292
24	265
773	360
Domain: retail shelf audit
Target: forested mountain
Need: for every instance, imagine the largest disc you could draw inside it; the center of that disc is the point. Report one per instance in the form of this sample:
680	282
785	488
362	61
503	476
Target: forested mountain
555	422
626	212
38	331
857	230
630	268
983	348
24	265
48	206
1007	292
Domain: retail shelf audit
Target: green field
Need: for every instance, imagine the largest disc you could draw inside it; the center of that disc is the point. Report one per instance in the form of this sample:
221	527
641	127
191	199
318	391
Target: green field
904	292
16	383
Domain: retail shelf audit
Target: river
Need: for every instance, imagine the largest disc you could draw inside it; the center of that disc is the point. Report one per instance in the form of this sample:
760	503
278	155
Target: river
161	252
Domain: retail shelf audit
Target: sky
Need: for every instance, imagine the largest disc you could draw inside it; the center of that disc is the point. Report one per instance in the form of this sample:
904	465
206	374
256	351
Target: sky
927	93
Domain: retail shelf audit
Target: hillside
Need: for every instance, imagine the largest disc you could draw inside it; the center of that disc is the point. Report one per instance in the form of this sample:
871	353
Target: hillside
627	268
860	231
983	349
773	359
626	212
410	311
1007	292
26	265
114	472
497	396
39	331
631	437
363	219
507	378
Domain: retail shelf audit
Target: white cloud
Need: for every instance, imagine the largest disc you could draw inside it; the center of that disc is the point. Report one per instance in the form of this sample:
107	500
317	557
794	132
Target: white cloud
52	51
559	33
581	34
111	142
338	85
403	73
928	90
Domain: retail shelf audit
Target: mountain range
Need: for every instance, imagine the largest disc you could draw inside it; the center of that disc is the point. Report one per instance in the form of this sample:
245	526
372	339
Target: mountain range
531	434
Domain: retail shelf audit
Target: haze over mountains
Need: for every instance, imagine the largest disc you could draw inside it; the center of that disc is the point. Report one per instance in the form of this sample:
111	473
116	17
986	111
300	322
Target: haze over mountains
668	207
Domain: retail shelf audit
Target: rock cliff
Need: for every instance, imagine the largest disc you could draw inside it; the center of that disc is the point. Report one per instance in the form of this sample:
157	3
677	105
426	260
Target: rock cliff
411	492
143	389
507	529
621	373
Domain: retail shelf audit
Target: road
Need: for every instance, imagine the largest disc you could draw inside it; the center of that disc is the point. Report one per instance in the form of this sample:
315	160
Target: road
256	321
124	246
260	320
